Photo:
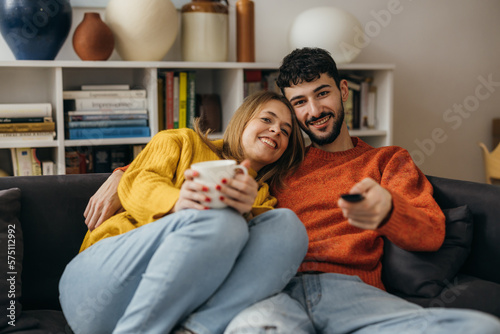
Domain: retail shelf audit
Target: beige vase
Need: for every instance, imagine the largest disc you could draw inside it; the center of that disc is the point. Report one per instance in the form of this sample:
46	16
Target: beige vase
144	30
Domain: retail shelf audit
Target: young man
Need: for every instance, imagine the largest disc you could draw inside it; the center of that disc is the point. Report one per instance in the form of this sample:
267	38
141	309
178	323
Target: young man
338	288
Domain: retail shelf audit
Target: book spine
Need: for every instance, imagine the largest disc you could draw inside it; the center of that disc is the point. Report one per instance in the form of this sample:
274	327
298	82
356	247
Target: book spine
169	99
28	135
191	99
15	166
107	123
105	87
160	85
105	133
105	104
182	99
103	94
176	101
28	127
23	156
36	166
11	120
106	112
18	110
48	167
104	117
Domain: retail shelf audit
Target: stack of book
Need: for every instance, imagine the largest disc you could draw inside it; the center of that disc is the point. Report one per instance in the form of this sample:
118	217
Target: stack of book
360	107
26	121
25	162
108	111
176	99
257	80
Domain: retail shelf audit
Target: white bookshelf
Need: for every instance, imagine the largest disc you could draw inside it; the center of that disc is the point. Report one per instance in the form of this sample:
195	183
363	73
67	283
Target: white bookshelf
45	81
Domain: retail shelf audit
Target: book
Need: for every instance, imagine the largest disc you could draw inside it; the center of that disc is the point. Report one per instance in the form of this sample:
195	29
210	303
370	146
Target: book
161	101
182	100
107	123
136	149
105	87
9	120
169	100
13	158
106	112
102	159
16	110
191	99
105	133
75	162
100	94
176	101
105	104
48	167
372	107
119	156
27	135
36	165
105	116
25	162
27	127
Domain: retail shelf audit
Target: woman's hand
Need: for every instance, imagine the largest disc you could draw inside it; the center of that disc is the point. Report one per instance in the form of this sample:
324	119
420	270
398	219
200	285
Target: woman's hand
105	202
239	192
192	194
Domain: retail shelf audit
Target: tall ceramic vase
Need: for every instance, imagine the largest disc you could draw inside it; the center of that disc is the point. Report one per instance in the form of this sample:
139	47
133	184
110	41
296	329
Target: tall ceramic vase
92	39
143	29
35	29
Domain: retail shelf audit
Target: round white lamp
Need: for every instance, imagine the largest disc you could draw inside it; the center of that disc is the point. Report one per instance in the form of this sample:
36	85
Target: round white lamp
329	28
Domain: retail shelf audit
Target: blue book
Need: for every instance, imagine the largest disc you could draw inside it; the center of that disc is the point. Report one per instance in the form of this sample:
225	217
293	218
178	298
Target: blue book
106	133
107	123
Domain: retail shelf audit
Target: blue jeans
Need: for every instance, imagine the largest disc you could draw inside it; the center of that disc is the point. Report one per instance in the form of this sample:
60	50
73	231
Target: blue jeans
200	268
335	303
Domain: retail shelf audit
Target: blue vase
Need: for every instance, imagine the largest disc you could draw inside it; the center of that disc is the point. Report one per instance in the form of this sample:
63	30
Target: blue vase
35	29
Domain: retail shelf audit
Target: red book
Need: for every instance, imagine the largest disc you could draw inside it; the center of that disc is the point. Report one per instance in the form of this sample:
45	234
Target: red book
169	93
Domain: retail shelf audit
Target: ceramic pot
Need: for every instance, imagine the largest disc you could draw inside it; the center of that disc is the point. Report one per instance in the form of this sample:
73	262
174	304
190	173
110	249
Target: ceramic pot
205	31
35	29
143	29
92	39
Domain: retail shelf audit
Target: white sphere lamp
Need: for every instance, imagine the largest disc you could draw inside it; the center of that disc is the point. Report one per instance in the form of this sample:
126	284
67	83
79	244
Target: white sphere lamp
329	28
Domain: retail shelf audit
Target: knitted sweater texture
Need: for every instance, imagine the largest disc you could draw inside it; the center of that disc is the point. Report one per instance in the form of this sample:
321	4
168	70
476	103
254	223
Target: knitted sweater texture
151	184
416	222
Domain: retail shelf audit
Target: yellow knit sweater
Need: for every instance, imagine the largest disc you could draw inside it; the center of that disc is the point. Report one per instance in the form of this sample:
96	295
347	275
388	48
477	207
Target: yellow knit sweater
151	185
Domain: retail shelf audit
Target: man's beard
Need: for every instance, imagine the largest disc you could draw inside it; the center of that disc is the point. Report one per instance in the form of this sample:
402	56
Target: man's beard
330	137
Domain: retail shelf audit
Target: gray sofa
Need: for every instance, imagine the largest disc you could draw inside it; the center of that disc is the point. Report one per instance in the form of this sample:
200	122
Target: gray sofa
48	211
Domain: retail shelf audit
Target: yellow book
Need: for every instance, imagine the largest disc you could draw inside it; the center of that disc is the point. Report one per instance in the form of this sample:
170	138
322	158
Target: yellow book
182	100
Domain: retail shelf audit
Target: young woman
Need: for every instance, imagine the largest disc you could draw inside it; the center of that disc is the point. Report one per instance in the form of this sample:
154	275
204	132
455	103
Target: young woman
166	260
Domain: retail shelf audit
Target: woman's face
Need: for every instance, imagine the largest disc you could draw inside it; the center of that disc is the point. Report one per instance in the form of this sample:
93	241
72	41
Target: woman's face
266	136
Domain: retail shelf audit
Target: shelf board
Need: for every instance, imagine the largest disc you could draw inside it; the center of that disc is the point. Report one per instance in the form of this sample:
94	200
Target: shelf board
27	143
172	64
110	141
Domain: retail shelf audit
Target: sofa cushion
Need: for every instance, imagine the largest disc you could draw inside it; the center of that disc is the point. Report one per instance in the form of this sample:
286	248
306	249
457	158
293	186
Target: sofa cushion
425	274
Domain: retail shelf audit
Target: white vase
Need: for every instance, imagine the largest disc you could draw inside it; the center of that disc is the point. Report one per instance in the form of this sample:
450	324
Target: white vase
144	30
329	28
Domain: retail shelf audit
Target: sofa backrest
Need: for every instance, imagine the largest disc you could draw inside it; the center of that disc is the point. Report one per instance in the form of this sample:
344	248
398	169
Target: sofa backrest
53	228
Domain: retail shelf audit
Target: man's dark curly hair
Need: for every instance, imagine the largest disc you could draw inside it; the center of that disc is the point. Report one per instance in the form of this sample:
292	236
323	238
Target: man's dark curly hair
306	64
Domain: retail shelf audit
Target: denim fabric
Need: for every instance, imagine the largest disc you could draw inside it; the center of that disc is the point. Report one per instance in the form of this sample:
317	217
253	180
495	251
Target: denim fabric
152	278
335	303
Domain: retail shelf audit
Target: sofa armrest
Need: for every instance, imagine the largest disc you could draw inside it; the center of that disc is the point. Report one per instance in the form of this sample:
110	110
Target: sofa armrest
53	228
483	201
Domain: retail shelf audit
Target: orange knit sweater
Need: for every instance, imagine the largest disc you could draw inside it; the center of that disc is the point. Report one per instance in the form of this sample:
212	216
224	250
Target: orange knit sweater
416	222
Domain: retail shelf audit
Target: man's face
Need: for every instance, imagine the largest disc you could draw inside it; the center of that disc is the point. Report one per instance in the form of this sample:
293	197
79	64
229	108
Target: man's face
319	108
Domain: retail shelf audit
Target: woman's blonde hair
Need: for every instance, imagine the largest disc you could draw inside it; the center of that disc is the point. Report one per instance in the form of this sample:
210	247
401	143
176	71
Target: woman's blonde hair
275	173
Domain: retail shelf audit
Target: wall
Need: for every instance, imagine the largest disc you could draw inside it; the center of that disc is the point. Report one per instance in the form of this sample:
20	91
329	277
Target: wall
445	52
